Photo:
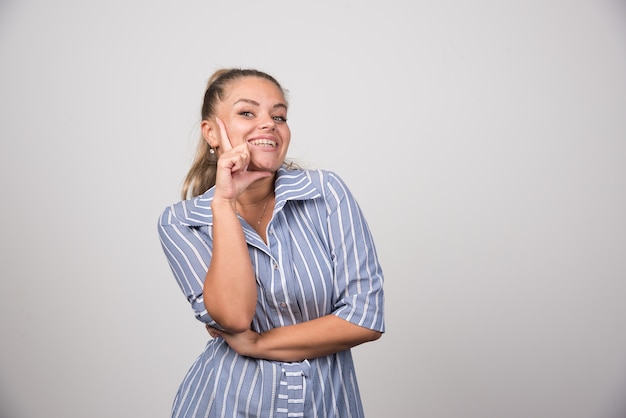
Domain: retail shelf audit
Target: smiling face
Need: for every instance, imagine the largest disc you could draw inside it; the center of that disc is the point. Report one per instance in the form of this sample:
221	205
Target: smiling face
254	111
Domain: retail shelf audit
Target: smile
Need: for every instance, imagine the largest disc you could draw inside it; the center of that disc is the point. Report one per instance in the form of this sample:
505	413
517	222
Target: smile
263	142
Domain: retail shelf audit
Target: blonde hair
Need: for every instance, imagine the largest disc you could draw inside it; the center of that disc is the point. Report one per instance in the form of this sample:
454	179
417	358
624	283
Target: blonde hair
201	175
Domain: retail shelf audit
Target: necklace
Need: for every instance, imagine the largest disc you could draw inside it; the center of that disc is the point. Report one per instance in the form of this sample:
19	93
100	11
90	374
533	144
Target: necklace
258	222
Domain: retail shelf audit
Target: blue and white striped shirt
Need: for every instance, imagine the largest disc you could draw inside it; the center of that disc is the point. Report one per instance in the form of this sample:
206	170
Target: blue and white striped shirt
320	259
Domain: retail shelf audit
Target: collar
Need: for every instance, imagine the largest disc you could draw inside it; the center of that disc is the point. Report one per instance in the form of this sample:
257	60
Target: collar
290	185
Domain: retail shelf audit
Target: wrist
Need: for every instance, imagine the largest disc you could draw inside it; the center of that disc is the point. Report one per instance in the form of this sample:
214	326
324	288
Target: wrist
255	349
222	204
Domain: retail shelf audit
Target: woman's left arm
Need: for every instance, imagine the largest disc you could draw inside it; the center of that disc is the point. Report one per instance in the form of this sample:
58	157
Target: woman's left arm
316	338
357	314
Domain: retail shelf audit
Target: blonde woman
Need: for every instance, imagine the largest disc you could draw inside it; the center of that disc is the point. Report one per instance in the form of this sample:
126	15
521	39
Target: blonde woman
276	261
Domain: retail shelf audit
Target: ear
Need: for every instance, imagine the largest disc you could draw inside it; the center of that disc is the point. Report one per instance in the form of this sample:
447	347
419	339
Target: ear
209	130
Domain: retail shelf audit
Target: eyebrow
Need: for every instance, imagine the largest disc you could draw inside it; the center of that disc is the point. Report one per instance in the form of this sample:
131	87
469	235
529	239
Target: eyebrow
255	103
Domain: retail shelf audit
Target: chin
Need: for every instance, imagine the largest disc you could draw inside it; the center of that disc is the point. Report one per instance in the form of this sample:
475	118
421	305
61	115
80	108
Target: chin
262	168
273	167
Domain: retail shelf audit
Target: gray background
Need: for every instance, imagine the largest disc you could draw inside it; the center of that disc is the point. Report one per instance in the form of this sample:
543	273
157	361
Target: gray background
485	141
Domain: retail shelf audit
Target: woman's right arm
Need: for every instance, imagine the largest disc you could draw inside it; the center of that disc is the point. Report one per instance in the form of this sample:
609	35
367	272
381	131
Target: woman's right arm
230	292
215	274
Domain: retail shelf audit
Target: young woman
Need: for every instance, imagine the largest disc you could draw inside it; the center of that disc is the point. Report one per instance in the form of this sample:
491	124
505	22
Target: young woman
278	262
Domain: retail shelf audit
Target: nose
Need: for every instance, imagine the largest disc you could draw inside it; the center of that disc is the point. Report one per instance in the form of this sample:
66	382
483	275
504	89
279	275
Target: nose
268	123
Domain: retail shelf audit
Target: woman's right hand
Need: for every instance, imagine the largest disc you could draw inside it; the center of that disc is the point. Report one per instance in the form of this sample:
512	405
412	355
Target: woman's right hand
232	176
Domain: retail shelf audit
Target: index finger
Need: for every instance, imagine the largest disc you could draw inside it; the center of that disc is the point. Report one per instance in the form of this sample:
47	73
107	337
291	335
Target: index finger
224	140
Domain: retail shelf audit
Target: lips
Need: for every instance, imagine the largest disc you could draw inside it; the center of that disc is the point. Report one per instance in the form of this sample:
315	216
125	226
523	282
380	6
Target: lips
263	142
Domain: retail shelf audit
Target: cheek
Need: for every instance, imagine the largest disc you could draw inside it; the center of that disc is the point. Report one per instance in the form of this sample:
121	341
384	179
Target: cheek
235	134
286	135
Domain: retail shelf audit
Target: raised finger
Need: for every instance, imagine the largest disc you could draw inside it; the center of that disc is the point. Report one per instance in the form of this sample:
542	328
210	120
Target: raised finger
224	140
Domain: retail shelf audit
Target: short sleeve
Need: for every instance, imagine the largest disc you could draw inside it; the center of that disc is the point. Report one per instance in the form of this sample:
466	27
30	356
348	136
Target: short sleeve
358	274
188	251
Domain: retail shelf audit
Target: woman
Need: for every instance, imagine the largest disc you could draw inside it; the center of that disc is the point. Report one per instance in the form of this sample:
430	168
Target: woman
278	262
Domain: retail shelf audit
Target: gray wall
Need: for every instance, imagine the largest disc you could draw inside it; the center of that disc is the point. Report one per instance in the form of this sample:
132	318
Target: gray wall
485	141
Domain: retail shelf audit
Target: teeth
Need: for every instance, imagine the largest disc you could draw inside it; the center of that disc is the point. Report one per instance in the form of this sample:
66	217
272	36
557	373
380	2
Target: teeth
263	142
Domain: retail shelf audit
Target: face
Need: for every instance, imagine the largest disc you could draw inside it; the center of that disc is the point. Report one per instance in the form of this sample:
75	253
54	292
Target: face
254	111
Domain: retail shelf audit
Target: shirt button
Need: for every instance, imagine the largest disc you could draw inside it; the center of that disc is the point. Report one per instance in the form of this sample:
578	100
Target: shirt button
275	265
282	305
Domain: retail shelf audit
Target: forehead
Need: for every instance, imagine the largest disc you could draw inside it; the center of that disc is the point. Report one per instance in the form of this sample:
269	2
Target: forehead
253	88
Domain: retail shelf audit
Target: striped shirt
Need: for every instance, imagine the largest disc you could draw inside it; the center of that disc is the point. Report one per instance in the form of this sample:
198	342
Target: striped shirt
320	259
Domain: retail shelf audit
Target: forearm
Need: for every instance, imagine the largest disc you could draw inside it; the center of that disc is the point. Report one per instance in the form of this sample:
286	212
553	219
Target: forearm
230	292
319	337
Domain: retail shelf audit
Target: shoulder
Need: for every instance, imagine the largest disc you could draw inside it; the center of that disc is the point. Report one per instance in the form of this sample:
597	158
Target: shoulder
330	184
191	212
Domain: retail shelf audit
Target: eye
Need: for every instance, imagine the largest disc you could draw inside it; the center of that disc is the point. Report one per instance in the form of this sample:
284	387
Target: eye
246	113
280	119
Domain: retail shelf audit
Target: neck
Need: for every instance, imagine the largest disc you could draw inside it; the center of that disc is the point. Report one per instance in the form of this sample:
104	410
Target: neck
254	211
256	193
254	200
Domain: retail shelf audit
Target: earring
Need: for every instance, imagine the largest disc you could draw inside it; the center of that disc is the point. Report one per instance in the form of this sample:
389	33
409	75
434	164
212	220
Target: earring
211	151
